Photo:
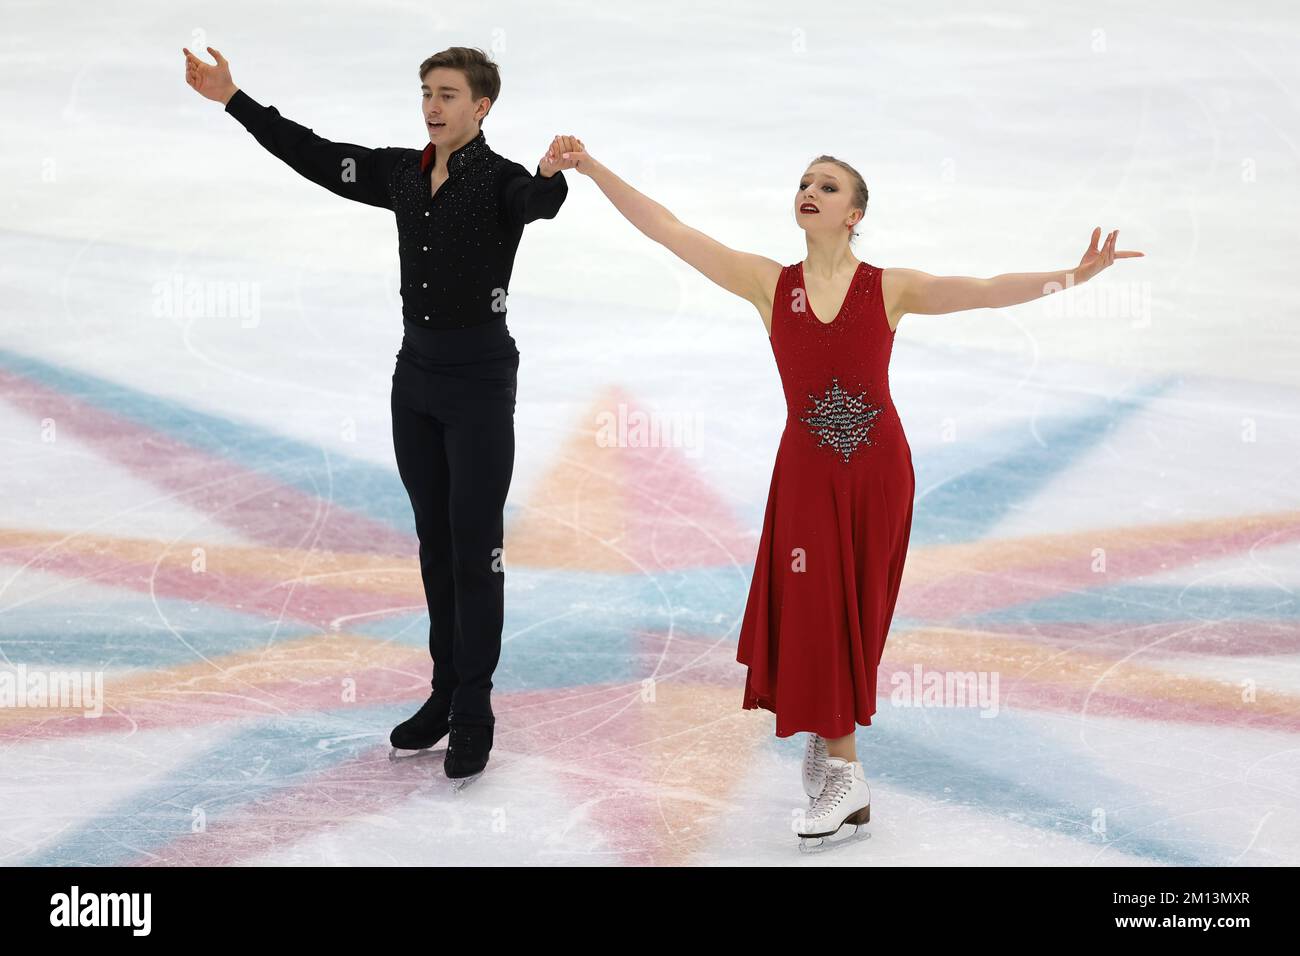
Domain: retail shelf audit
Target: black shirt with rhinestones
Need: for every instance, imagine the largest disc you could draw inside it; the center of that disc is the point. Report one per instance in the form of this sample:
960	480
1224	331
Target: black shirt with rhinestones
457	246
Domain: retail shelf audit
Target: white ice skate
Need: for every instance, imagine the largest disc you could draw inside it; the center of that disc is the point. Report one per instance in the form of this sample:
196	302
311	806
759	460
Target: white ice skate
814	766
845	799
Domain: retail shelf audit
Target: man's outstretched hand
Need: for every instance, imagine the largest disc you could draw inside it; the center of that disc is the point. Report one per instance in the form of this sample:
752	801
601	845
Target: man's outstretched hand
212	82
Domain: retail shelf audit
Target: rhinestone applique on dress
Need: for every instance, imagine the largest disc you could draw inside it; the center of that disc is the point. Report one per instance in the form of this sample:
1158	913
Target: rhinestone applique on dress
841	420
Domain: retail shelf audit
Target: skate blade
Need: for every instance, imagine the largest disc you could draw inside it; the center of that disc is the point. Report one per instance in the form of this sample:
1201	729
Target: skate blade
821	844
460	783
810	842
397	754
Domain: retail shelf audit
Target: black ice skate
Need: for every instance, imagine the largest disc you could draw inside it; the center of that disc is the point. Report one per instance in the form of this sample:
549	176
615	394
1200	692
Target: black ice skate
467	752
426	728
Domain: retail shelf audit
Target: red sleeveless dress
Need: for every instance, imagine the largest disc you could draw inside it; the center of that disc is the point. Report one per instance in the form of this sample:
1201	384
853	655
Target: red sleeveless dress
838	520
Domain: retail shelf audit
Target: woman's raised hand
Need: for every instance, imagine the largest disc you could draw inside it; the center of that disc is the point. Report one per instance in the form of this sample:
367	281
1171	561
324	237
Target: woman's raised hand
211	82
1095	259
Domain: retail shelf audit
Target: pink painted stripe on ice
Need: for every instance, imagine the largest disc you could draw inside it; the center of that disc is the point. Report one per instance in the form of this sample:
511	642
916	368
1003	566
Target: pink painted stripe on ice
255	505
1047	575
247	593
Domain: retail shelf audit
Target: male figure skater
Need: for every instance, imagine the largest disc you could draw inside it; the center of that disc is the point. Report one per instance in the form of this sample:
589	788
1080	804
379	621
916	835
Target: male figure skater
461	209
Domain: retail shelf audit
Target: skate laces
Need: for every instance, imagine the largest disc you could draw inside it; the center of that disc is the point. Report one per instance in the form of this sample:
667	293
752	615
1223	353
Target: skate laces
820	755
837	785
816	755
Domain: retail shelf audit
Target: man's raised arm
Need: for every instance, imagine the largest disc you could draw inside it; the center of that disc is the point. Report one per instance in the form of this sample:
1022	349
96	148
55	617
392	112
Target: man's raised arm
353	172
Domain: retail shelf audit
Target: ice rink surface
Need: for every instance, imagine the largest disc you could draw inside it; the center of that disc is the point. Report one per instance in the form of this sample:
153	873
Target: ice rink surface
199	502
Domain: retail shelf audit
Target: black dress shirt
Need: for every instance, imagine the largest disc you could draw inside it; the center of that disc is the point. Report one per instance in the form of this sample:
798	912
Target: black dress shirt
457	246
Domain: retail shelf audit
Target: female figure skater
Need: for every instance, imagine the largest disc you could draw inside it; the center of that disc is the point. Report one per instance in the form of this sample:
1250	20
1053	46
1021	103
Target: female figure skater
839	509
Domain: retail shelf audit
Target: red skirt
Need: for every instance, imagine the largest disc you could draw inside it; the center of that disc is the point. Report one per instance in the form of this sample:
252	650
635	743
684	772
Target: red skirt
826	579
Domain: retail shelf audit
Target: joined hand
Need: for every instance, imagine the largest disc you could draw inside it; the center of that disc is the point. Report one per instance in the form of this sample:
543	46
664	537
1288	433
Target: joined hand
561	154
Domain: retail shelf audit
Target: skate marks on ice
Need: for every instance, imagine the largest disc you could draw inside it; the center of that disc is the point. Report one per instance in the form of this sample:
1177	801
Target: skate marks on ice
675	773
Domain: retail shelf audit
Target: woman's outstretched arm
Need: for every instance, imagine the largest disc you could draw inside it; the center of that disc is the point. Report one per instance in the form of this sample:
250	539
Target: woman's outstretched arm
750	276
919	292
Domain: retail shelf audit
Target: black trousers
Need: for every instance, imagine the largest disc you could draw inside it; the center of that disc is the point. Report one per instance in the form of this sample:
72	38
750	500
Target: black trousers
453	406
